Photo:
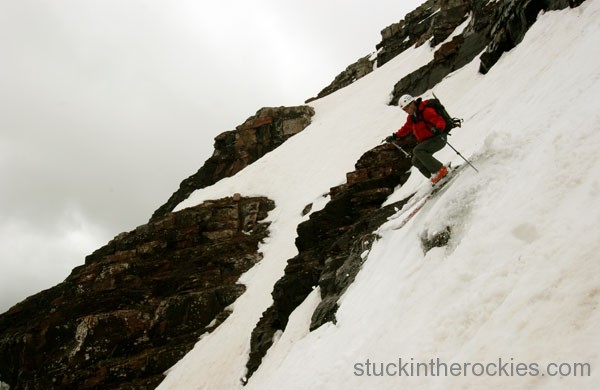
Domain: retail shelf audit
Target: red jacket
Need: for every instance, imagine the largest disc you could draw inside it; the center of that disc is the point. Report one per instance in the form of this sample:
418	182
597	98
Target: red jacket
421	124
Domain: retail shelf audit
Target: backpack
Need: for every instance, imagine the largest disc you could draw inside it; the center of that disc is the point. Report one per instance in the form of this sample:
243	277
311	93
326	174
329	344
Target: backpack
439	108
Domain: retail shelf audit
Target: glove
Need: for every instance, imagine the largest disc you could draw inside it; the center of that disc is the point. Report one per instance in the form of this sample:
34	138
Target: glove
391	138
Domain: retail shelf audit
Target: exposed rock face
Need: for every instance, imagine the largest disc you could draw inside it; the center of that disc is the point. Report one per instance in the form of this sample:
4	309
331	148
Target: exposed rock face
414	29
138	304
236	149
331	242
436	240
434	20
141	302
494	28
454	54
330	245
359	69
512	20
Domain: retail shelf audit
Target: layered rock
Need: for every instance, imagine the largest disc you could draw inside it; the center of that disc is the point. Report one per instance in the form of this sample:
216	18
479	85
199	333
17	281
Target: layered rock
141	302
494	28
453	54
434	20
138	304
511	22
330	245
331	242
236	149
413	30
353	72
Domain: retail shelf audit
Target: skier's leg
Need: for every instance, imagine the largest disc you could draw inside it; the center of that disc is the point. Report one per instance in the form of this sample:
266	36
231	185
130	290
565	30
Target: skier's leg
423	153
417	163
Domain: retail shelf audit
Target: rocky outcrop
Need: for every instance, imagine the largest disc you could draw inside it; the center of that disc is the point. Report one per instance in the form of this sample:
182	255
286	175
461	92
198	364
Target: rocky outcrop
414	29
138	304
434	20
511	22
236	149
494	28
141	302
451	55
330	245
359	69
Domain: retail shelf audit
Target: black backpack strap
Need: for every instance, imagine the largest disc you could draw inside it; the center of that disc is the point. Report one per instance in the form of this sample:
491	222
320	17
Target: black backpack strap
421	116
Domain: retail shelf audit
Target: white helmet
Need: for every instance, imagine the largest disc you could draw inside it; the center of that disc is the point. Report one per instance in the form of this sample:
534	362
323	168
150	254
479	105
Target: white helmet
405	100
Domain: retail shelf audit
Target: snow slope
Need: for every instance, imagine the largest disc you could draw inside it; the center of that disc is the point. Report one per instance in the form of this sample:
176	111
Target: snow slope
518	279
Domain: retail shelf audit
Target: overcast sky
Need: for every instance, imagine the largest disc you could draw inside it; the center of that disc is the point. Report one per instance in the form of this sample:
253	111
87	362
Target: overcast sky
107	105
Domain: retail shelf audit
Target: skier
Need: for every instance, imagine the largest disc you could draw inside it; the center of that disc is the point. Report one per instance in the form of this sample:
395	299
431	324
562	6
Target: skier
428	128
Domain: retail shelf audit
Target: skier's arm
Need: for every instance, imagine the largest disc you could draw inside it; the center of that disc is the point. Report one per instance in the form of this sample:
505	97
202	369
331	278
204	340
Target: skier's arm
405	130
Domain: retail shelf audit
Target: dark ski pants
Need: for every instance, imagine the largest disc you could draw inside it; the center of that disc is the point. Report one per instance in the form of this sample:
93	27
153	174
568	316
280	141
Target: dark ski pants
423	155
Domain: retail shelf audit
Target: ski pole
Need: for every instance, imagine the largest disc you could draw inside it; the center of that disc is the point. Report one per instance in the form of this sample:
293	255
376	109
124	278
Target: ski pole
461	156
406	154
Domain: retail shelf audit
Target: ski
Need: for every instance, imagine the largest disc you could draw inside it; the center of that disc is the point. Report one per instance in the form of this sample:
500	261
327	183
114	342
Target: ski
418	204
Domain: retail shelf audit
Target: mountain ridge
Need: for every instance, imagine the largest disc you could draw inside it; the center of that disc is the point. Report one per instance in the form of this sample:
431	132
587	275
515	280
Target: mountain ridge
362	187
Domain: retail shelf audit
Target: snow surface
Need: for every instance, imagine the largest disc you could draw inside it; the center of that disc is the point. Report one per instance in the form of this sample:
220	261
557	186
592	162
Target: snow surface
518	280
